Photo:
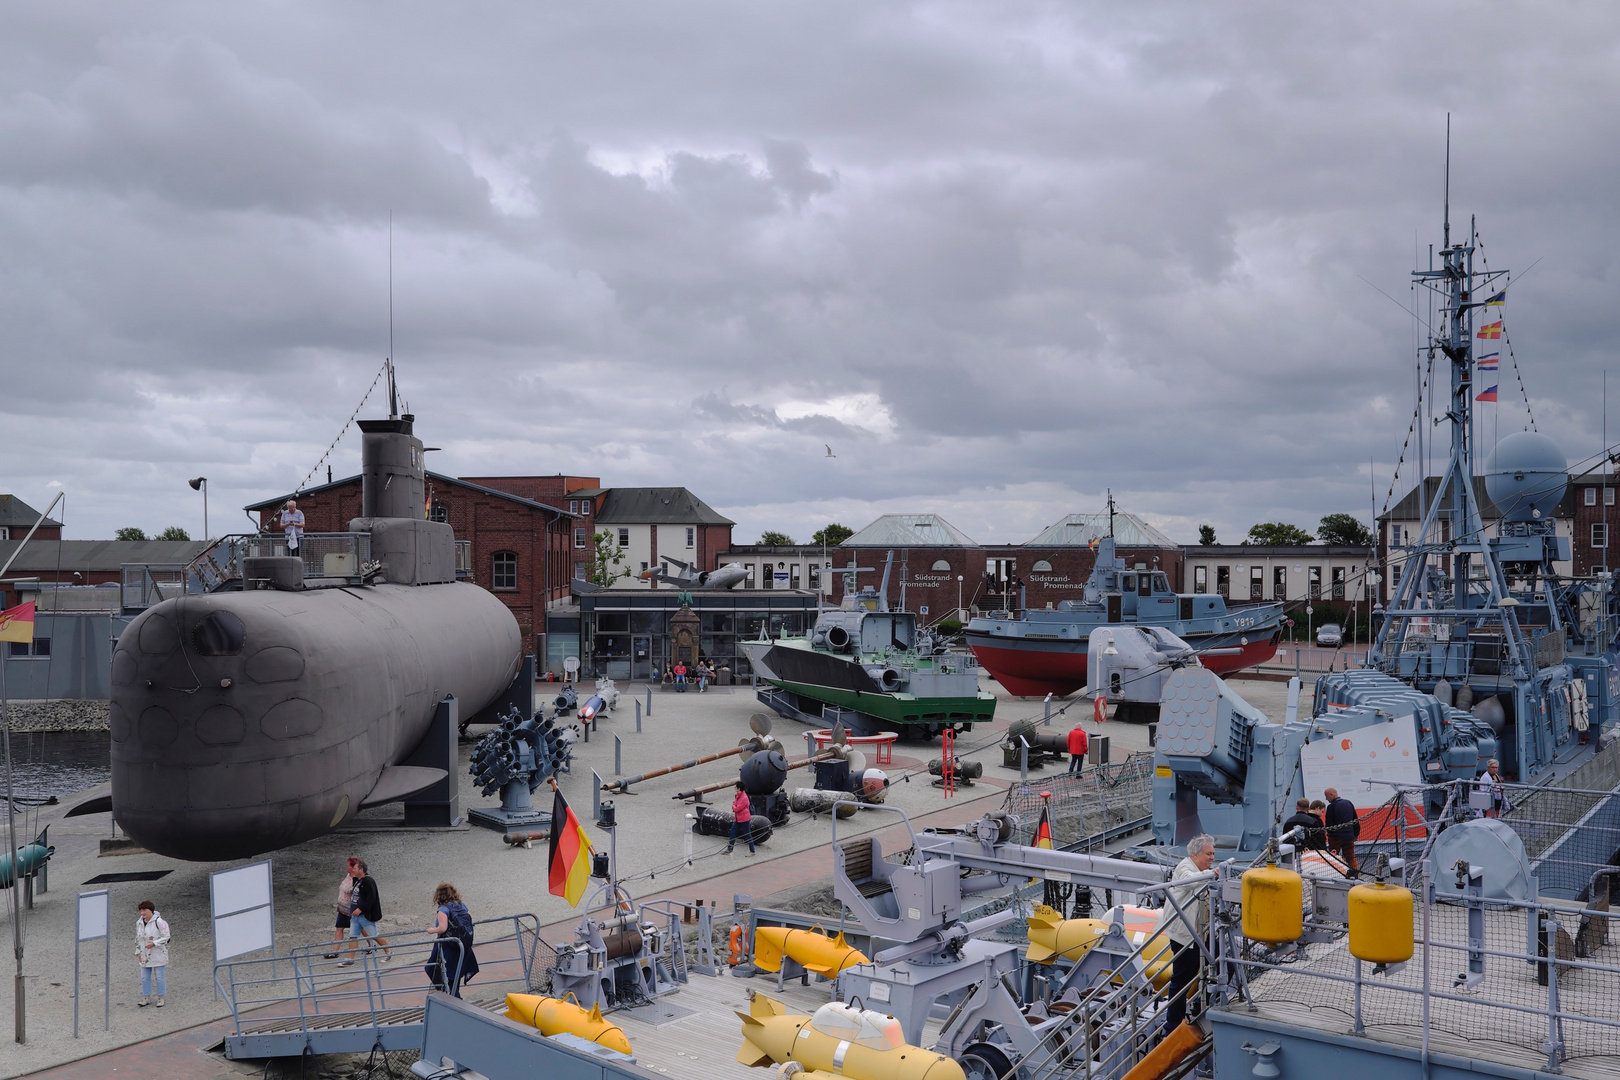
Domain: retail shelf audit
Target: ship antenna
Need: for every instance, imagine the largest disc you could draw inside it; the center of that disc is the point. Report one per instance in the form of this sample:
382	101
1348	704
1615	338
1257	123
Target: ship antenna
1448	183
1110	513
393	397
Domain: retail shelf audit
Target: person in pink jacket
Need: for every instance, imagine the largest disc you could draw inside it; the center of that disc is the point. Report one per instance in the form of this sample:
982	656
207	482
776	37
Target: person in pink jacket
742	819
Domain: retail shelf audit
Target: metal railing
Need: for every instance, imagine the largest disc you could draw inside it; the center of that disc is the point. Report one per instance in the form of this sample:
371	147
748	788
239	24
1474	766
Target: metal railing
1086	809
326	556
145	584
1537	975
308	1000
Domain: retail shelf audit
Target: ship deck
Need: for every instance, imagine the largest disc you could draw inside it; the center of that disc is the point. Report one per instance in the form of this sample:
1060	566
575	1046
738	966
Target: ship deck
695	1033
1502	1018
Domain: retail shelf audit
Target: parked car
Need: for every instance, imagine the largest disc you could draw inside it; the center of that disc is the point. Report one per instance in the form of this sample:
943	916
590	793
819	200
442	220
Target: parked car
1330	635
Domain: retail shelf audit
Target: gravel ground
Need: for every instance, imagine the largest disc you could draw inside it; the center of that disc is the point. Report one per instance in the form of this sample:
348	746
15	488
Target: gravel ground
58	715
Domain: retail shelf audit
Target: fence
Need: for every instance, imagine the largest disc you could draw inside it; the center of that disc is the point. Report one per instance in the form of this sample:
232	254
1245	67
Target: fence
310	1001
1534	982
1089	809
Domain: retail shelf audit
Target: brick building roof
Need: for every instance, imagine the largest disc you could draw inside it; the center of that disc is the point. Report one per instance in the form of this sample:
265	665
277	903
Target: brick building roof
910	531
654	506
1079	530
16	514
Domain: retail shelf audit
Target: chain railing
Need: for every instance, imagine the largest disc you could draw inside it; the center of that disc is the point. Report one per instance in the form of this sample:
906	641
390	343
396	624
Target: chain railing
1085	809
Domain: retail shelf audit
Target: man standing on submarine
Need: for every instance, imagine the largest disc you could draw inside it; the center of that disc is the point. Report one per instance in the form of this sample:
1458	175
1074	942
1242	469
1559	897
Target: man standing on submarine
292	525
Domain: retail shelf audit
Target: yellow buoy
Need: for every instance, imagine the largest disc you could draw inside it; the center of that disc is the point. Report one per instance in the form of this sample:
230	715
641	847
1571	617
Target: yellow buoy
1381	923
1273	904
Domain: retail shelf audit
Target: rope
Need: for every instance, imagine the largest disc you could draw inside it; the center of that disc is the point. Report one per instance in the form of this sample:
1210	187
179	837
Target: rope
346	425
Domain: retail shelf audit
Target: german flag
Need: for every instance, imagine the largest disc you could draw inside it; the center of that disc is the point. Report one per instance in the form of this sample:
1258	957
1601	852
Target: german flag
570	858
1043	832
1490	330
17	624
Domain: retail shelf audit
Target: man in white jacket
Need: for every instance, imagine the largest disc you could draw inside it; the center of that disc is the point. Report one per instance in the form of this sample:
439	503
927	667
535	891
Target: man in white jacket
152	950
1193	900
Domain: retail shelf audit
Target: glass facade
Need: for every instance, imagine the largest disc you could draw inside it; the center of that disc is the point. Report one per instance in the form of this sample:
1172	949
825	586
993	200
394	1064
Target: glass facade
626	635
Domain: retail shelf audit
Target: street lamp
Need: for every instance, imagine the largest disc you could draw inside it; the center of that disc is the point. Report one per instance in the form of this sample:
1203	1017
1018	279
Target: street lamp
959	611
200	483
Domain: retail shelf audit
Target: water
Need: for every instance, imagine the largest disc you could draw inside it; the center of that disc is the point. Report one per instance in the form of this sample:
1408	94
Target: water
57	763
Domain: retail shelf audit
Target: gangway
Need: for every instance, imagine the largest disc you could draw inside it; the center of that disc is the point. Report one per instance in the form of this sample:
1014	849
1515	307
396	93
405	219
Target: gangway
302	1002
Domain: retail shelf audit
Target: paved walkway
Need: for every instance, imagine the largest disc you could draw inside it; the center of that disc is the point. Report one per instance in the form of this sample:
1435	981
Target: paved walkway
183	1055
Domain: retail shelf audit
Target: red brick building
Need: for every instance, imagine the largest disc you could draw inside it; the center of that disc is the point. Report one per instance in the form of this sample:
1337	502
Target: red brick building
1591	501
17	517
522	547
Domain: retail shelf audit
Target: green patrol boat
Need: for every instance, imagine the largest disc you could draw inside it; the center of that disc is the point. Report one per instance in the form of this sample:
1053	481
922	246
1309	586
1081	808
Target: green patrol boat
872	670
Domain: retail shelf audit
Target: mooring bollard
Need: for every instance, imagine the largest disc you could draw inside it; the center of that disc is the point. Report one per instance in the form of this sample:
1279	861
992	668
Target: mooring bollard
649	701
618	756
638	718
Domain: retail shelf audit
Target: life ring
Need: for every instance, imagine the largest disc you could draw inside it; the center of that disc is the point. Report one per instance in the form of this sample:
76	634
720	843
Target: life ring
734	945
1099	709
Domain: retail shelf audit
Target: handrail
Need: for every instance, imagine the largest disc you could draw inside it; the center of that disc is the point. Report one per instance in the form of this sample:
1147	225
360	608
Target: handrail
320	987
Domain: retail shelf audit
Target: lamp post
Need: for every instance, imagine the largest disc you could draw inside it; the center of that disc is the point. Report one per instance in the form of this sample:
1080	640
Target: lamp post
200	483
959	598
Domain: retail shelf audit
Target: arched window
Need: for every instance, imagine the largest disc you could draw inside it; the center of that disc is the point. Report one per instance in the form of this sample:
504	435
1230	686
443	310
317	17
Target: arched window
503	574
1041	567
942	565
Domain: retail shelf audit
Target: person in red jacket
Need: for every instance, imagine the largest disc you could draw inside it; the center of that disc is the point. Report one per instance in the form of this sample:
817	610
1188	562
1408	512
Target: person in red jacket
742	819
1077	749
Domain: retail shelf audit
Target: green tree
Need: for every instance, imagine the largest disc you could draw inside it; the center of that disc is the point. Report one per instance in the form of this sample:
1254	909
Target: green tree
1344	529
174	532
1277	532
833	535
130	532
606	564
1206	535
775	539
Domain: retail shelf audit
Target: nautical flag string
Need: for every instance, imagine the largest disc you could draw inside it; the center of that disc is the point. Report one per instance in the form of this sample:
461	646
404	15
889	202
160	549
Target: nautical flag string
1488	362
1507	342
1498	300
1487	394
1490	331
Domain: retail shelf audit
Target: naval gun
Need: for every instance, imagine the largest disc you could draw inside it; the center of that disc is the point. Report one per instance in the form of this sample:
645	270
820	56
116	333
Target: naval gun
1224	768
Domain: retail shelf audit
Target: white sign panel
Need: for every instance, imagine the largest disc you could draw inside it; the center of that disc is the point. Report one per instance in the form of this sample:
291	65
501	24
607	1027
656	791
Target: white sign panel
1347	761
93	915
242	888
244	932
242	904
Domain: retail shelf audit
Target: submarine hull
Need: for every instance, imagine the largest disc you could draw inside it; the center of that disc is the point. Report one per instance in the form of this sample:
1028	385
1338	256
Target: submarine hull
243	722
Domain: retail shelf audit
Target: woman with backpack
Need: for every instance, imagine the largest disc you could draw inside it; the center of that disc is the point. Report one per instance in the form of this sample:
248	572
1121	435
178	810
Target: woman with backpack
453	961
152	950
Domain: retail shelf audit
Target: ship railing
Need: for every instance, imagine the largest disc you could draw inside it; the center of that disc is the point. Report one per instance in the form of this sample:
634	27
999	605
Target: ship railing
309	1001
341	555
1114	1024
143	584
1532	982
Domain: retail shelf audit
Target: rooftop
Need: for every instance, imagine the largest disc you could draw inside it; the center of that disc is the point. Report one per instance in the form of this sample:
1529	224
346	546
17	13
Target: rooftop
16	514
910	531
1079	530
48	556
655	506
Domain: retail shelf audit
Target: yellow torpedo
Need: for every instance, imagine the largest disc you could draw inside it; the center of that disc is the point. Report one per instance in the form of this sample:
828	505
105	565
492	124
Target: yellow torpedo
839	1040
1052	936
815	951
554	1017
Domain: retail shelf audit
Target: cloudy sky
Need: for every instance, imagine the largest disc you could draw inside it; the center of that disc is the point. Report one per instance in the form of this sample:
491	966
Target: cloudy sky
1001	257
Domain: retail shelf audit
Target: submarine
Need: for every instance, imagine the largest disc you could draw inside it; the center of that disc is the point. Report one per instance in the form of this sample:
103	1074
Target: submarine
254	718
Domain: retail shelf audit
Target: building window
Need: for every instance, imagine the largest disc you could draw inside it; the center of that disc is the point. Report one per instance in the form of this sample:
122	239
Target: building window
748	581
503	573
795	581
1279	582
1394	536
691	536
438	511
1201	579
1223	581
1600	534
579	571
1257	583
624	537
1338	582
573	506
1042	566
581	537
1608	496
1313	580
1591	496
5	532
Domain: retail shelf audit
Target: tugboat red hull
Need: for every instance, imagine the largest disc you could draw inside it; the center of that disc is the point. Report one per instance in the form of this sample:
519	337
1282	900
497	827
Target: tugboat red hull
1035	668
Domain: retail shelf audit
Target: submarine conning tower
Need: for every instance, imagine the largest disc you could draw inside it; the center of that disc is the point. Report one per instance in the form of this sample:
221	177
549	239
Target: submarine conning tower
393	491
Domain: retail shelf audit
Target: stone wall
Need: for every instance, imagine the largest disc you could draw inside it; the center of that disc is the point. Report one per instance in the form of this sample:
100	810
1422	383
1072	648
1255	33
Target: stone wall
76	715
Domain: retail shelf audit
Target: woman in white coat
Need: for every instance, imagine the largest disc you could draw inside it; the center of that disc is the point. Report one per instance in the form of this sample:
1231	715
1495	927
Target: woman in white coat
152	950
